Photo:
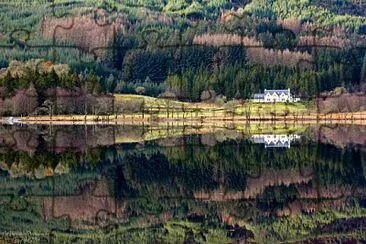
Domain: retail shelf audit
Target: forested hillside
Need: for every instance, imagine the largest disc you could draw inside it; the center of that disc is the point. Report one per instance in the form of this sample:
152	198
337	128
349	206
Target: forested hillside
185	47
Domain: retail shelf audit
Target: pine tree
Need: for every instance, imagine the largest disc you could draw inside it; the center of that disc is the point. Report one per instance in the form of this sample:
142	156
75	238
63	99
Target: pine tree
363	71
109	84
8	83
52	78
90	82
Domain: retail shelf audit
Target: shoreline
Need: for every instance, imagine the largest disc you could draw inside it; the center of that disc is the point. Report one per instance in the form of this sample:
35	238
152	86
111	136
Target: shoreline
358	118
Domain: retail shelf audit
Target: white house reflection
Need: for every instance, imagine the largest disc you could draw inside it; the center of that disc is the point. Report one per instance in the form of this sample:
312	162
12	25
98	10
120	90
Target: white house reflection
272	140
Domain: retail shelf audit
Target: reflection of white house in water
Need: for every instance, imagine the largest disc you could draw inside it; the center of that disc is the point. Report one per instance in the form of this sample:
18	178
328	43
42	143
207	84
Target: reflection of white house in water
275	96
272	140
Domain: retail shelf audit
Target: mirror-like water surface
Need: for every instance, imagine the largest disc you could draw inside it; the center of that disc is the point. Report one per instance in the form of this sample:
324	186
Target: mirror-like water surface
255	183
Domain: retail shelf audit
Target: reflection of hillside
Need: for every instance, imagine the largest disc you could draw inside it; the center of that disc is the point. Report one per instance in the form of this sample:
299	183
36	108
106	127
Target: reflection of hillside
95	206
55	139
336	197
156	199
21	139
341	136
219	176
324	191
80	138
299	207
16	170
256	186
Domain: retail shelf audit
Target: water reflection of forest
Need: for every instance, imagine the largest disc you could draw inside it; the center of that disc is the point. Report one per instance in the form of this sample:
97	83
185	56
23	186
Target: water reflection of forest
80	138
196	187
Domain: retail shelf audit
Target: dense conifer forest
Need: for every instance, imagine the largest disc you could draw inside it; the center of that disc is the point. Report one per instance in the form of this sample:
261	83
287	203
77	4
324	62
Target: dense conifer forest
183	48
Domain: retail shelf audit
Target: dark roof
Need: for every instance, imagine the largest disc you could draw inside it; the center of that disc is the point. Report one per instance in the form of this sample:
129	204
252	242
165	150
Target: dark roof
258	140
258	96
279	144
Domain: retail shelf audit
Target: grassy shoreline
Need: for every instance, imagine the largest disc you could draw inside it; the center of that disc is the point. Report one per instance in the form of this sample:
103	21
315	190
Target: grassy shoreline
358	118
159	110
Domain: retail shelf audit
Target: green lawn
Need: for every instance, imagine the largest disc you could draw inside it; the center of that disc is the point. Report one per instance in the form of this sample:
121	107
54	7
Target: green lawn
271	108
161	107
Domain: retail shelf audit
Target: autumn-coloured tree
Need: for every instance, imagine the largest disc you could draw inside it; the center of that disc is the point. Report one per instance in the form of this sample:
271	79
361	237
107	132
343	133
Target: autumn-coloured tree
271	57
25	101
85	32
293	24
226	40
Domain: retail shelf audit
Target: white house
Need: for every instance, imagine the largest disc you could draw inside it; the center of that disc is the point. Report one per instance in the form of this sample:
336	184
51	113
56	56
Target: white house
271	140
275	96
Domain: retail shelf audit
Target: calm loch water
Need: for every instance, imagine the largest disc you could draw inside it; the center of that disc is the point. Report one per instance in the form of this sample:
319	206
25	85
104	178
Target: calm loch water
160	184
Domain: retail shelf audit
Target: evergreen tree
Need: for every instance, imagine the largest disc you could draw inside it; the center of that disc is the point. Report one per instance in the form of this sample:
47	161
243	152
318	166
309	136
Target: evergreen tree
9	83
363	71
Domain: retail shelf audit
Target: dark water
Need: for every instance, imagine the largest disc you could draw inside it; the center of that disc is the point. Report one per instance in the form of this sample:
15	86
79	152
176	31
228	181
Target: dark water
161	184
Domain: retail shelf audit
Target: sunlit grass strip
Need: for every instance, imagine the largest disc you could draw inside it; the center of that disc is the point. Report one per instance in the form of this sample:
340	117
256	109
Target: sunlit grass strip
150	109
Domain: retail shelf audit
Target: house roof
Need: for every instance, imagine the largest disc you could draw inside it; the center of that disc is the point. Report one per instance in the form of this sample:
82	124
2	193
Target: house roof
278	92
279	144
258	96
258	140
